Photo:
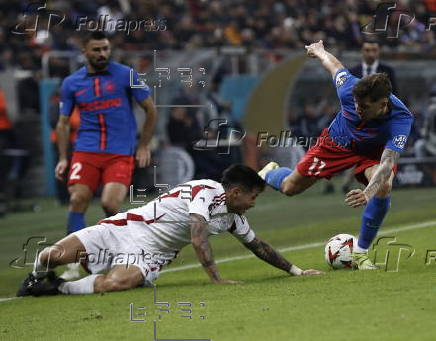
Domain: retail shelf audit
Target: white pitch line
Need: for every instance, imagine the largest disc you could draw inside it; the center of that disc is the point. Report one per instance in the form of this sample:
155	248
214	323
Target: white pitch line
286	249
8	299
301	247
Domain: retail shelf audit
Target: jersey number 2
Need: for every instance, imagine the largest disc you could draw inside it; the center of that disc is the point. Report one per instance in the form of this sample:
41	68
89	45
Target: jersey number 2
316	166
76	167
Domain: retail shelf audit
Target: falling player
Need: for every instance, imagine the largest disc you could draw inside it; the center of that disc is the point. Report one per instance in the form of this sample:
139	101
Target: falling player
103	153
369	132
135	245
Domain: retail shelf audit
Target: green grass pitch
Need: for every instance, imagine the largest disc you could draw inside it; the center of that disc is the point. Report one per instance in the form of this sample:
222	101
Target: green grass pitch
269	305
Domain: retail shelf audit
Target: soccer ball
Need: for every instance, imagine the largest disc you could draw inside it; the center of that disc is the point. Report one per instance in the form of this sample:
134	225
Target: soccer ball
338	251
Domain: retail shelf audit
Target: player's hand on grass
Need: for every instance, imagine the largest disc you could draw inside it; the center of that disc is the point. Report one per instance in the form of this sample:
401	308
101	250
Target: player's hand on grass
227	281
356	198
143	156
309	272
60	169
314	49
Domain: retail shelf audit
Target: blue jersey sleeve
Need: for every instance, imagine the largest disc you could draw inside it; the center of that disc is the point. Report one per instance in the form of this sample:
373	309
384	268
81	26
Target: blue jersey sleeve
399	132
140	90
67	101
344	82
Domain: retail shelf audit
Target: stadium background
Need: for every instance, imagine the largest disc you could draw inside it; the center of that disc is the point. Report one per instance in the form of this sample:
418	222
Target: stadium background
237	61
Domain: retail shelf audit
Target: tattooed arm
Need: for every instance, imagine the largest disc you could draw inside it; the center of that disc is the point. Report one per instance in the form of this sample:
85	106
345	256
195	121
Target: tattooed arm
388	161
357	197
200	242
266	252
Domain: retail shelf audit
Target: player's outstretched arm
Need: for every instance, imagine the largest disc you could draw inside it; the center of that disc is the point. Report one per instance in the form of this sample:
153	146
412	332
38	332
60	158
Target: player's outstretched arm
357	197
329	61
143	154
267	253
200	242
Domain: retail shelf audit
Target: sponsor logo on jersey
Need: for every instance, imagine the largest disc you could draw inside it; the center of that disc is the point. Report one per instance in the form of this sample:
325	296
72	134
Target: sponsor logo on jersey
341	77
100	105
399	141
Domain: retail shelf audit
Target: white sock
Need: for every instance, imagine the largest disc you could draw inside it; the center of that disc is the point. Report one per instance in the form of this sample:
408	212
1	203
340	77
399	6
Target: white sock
80	287
358	249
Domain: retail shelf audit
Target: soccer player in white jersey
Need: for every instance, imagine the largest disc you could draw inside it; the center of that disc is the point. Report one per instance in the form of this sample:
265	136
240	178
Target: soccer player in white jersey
134	245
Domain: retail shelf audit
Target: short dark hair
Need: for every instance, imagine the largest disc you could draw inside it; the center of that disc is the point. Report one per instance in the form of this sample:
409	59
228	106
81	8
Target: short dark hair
370	41
242	176
374	87
94	35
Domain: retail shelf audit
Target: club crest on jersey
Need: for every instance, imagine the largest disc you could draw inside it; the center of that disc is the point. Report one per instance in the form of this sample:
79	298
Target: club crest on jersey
341	77
400	141
109	86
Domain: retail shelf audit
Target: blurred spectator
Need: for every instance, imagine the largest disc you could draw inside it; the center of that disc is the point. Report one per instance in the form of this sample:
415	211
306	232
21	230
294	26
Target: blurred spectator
216	106
12	160
371	64
6	141
427	145
189	125
183	129
309	124
190	24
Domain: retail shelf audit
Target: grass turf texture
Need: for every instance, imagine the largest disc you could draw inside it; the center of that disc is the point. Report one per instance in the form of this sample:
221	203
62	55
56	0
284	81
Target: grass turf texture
341	305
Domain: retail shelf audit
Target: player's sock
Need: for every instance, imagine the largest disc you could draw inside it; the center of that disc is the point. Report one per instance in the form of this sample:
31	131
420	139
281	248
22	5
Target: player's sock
76	221
275	177
373	216
82	286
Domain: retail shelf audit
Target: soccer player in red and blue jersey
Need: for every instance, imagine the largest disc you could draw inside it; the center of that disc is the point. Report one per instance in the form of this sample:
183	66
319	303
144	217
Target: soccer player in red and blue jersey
369	132
106	141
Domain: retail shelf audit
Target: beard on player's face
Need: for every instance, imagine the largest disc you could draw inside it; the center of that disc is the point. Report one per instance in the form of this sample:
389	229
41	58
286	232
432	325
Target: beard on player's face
97	53
98	63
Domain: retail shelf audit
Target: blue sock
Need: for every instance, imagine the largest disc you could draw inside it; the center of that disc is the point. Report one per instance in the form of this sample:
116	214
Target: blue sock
76	222
275	177
373	216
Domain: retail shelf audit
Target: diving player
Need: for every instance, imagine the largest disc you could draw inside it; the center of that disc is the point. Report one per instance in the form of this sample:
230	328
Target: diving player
369	132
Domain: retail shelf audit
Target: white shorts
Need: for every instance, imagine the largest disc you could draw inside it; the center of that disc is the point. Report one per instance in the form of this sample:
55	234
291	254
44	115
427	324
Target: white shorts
107	246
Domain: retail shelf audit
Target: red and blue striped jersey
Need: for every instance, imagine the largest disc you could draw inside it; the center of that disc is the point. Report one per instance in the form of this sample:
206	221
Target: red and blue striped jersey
349	131
104	99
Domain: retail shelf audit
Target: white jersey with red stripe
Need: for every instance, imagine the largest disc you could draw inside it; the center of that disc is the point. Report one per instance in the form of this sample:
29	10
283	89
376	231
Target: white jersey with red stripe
164	224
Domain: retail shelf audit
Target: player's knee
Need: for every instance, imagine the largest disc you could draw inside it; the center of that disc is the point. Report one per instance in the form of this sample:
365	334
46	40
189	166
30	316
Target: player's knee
78	199
110	206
